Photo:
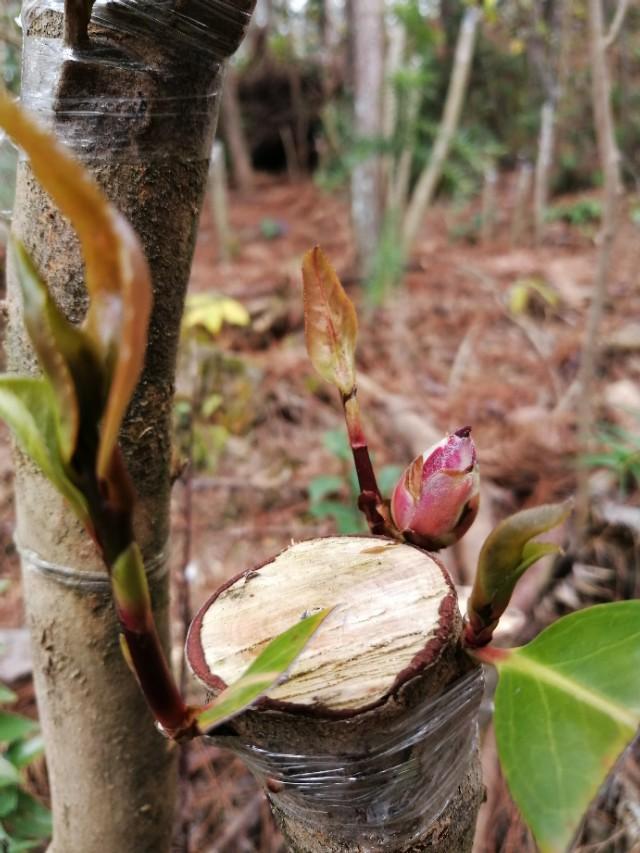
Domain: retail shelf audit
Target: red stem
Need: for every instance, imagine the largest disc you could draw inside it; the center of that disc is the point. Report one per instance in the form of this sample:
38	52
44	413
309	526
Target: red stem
370	499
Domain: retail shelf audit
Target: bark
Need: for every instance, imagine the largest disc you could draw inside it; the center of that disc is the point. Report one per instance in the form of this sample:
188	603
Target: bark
428	181
489	203
520	202
389	648
366	179
112	775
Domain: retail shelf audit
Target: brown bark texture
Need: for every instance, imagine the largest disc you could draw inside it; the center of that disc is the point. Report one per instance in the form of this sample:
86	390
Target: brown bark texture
370	745
137	103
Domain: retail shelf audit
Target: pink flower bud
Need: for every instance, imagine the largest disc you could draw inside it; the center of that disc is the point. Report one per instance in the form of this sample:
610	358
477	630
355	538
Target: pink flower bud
436	499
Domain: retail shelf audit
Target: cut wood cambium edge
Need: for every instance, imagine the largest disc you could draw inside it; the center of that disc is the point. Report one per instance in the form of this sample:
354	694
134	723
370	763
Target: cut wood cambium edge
369	744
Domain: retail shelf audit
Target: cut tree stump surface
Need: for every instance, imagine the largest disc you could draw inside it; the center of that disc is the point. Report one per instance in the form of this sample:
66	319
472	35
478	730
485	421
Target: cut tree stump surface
393	612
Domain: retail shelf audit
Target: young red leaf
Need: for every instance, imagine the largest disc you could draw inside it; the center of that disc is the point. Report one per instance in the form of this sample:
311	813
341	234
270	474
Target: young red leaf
330	322
116	271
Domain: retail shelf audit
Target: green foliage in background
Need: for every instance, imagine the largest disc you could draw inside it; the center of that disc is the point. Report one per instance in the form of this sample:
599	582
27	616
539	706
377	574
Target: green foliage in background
619	451
24	822
335	496
584	211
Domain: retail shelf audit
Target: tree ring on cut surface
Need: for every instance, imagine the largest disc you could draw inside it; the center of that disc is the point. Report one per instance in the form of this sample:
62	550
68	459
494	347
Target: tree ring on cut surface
394	614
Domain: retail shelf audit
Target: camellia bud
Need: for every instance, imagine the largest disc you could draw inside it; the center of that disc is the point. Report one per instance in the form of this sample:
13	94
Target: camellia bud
436	499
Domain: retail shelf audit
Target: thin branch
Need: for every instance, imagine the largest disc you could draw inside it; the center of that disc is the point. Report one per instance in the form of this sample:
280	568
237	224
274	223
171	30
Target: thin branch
616	24
428	180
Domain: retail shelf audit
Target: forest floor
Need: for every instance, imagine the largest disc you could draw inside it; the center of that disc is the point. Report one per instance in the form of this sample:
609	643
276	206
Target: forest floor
447	349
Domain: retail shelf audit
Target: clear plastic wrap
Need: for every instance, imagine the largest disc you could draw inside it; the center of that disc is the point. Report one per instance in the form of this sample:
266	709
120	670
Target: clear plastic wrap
95	582
146	83
398	787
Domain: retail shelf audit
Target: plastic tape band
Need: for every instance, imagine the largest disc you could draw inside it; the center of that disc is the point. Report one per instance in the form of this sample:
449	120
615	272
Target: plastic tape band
407	778
155	567
146	86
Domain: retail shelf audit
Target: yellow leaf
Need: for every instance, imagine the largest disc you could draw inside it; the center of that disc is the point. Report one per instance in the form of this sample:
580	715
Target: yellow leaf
331	326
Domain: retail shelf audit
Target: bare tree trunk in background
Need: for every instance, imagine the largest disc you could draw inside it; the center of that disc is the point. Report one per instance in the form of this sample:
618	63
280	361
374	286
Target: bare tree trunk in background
424	191
366	179
609	156
544	163
551	57
112	775
234	133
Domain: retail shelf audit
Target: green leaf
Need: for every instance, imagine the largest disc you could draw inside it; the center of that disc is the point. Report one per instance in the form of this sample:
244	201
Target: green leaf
31	820
506	554
266	670
330	323
7	697
347	518
66	354
8	801
8	773
325	484
337	443
28	408
24	752
566	706
15	727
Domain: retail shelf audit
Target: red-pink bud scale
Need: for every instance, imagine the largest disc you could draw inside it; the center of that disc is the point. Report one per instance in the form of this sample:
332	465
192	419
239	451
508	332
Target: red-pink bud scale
436	499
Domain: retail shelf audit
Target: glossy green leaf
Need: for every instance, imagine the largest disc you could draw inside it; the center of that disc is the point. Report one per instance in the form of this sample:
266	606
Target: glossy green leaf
8	773
506	554
28	408
24	752
15	727
116	272
8	801
30	820
330	322
267	669
566	706
66	354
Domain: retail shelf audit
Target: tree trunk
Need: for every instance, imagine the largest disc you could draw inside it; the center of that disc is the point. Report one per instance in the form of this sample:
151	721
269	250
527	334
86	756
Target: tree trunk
544	162
610	164
370	745
121	104
366	179
234	133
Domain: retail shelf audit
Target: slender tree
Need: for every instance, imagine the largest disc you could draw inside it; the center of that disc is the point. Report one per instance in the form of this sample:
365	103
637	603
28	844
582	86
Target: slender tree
366	180
600	42
133	93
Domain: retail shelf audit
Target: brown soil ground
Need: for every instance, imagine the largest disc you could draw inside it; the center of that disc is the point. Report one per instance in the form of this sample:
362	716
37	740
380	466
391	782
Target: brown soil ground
444	351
